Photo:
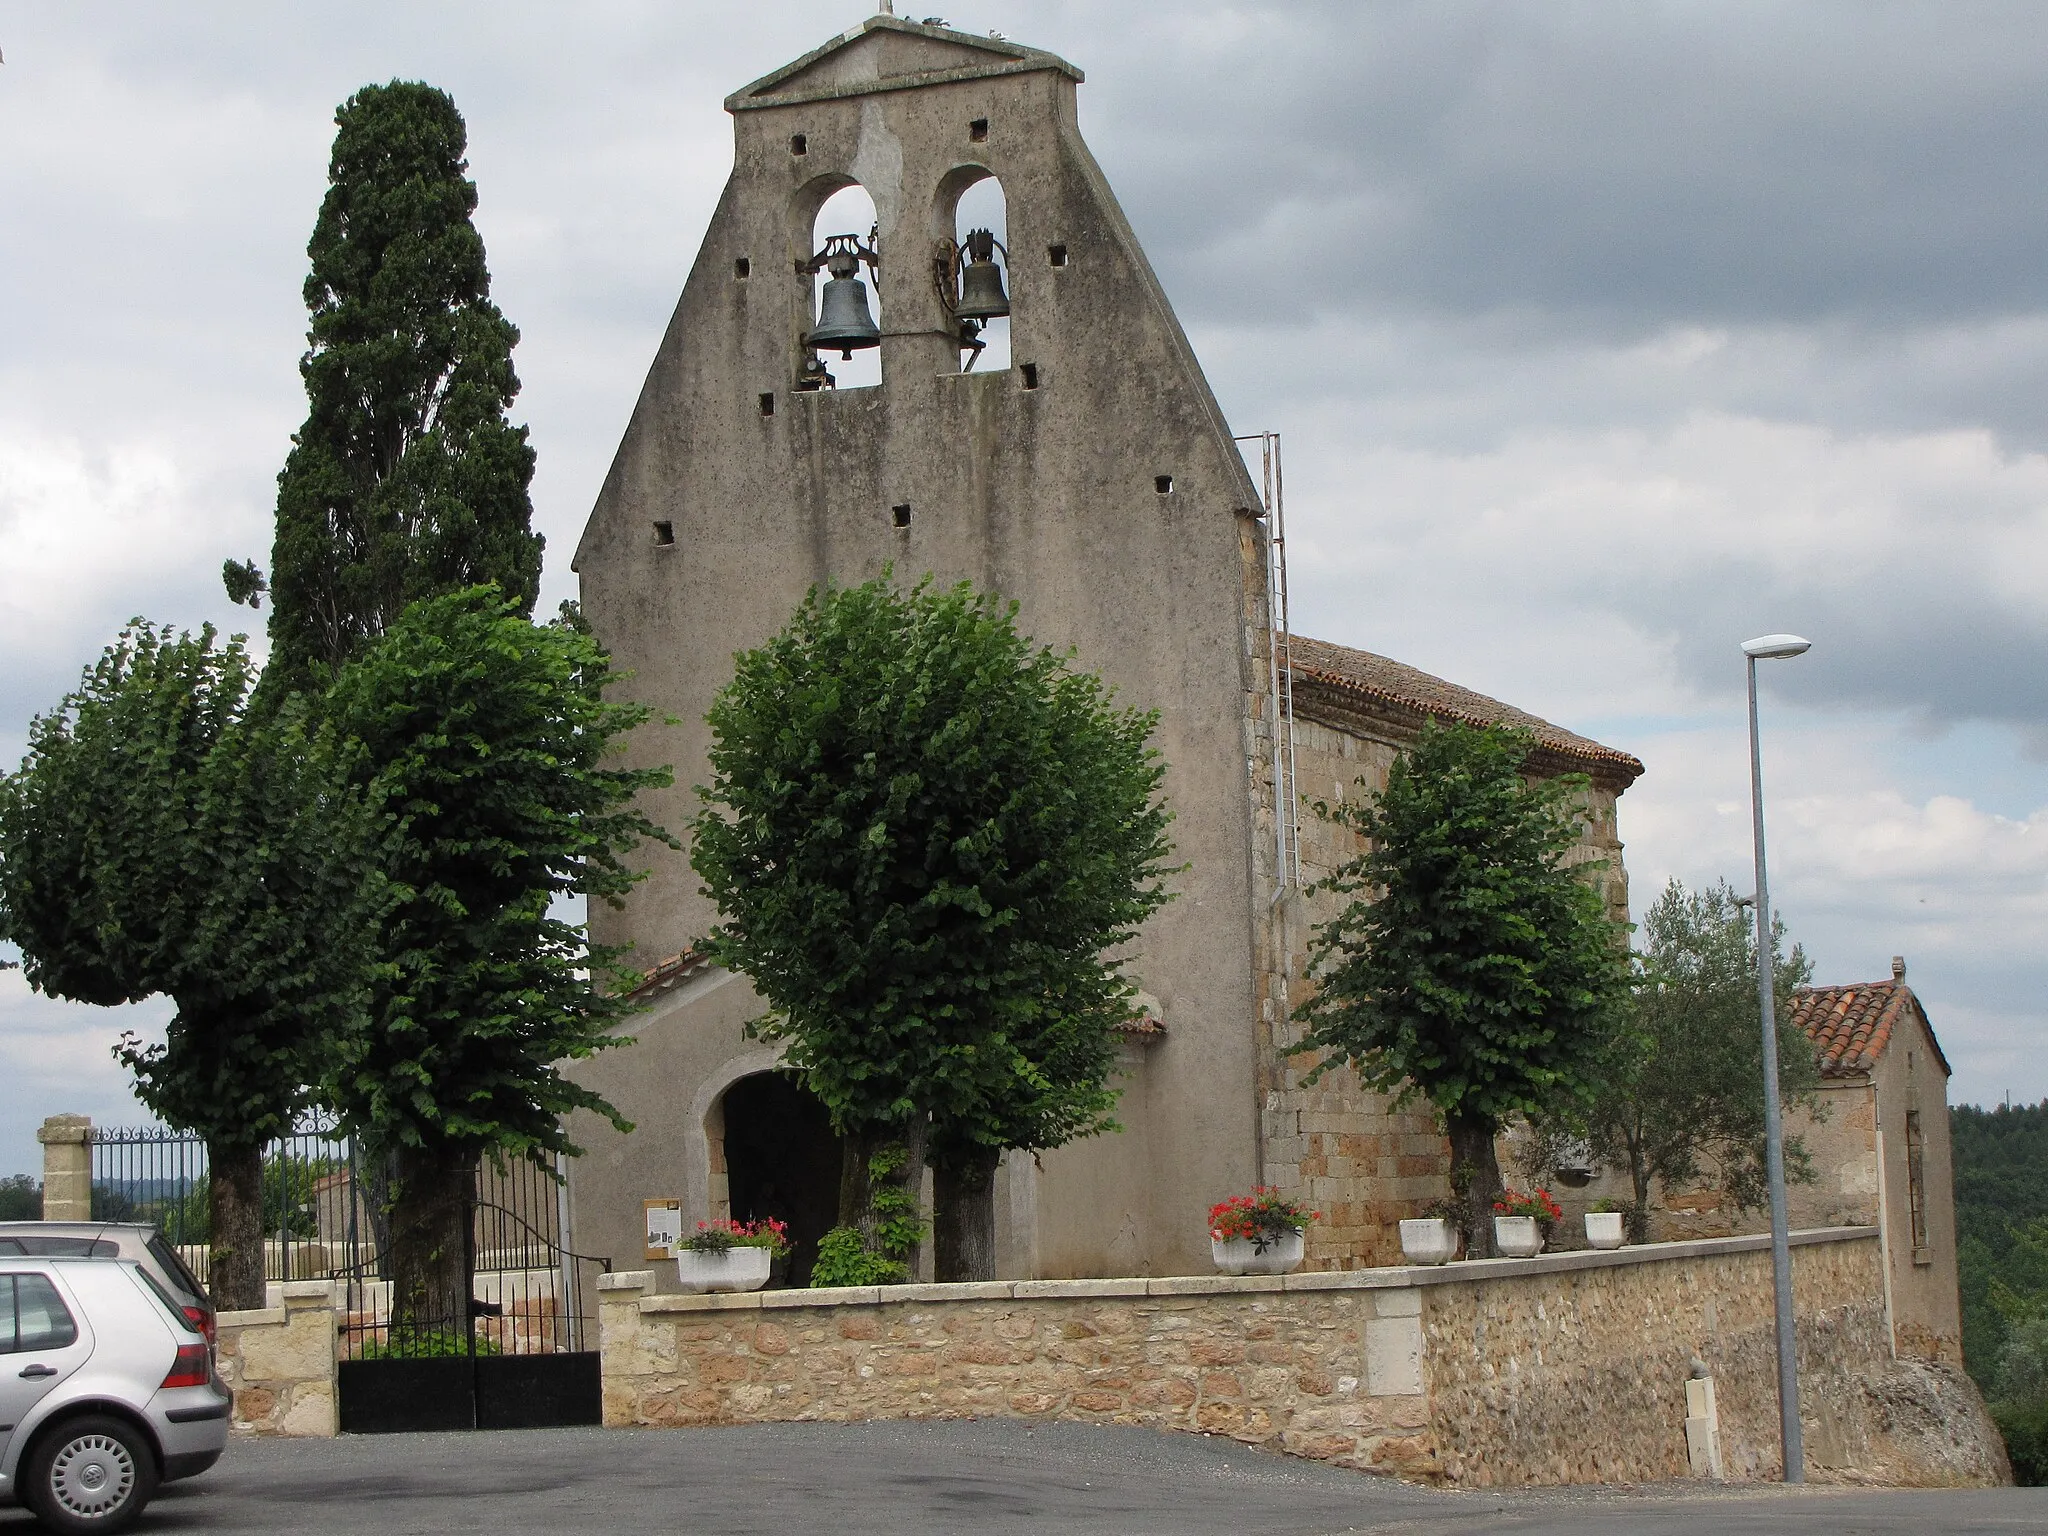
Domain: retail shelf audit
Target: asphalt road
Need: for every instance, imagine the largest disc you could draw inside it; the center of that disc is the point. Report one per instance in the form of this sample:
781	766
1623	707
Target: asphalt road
991	1478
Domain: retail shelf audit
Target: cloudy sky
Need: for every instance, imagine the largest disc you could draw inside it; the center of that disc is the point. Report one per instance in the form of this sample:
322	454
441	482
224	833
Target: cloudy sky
1601	337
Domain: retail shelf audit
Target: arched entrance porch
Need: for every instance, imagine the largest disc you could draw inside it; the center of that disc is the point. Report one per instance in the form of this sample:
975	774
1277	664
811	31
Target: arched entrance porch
781	1159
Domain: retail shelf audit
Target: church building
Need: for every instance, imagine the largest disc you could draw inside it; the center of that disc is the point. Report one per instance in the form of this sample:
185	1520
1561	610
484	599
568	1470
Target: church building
1038	425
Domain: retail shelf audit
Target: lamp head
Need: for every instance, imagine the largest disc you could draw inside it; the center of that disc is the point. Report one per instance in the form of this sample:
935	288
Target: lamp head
1775	647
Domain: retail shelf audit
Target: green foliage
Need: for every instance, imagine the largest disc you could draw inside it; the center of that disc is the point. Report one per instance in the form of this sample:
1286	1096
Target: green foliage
922	836
162	838
1683	1101
21	1198
479	737
844	1260
406	480
406	1343
899	1222
1473	967
2001	1173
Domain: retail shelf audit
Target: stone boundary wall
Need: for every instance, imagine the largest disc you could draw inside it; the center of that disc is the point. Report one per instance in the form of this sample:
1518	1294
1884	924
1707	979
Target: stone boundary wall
1569	1367
280	1362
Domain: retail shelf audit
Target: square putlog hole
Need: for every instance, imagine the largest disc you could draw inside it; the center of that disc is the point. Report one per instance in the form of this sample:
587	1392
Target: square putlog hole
799	144
978	130
767	404
664	534
1056	254
1163	484
900	515
742	268
1029	373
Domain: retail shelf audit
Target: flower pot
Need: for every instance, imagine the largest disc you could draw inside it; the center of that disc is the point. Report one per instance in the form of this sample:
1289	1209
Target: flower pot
736	1269
1241	1256
1517	1237
1603	1229
1430	1240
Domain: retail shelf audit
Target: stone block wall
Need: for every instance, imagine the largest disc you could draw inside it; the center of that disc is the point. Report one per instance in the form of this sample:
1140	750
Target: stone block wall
1564	1368
280	1362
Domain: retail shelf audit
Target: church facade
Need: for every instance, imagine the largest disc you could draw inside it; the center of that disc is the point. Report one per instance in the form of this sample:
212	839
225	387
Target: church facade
1093	480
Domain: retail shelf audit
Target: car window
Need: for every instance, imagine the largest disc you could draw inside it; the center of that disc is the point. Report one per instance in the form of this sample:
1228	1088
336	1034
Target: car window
156	1289
11	1245
174	1266
66	1247
36	1317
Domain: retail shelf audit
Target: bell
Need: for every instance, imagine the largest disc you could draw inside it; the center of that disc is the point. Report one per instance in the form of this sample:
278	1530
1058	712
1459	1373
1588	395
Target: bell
981	280
844	320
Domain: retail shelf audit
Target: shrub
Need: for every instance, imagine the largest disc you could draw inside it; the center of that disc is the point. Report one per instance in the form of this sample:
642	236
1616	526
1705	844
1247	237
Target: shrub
403	1343
844	1260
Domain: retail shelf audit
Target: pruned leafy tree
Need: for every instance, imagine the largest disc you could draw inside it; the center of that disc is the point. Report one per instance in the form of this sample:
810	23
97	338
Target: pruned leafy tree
483	740
162	838
1474	966
406	479
1682	1102
927	839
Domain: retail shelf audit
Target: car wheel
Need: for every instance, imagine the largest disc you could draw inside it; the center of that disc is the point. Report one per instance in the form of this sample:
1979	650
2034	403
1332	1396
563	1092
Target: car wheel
89	1474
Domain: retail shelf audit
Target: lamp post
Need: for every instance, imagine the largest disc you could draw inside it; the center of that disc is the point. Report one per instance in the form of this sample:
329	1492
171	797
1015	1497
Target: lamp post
1771	648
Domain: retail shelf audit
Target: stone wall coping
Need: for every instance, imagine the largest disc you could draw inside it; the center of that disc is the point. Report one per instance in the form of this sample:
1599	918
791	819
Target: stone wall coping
254	1317
1396	1277
311	1292
65	1130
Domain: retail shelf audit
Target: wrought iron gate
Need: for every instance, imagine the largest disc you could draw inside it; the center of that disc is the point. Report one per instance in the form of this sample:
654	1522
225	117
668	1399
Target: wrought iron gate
520	1351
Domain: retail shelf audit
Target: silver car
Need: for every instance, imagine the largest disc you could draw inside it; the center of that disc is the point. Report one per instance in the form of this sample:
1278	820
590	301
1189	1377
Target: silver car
107	1390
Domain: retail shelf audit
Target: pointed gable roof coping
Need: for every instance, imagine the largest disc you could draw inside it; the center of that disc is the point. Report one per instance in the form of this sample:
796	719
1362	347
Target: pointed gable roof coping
1851	1026
863	60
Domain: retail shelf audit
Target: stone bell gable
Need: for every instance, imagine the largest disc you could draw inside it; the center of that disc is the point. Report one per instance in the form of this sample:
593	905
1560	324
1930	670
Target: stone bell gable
1093	481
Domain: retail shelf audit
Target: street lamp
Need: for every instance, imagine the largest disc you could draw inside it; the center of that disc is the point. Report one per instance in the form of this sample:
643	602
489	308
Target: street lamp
1774	648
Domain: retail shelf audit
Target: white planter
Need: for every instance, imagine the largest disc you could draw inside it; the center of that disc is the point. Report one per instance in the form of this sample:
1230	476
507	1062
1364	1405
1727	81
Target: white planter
1240	1256
1517	1237
1429	1240
736	1269
1603	1229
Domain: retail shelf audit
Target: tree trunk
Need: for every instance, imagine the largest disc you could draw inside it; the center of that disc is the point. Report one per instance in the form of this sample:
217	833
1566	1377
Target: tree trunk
430	1216
1473	1161
964	1215
1639	1181
234	1208
858	1188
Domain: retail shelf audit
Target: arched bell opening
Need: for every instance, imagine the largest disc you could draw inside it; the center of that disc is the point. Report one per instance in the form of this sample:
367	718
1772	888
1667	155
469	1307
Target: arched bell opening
782	1160
843	298
971	265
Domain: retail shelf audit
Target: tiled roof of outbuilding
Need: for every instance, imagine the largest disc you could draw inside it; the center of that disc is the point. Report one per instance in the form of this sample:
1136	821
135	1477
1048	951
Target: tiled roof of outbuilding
1850	1026
665	975
1416	695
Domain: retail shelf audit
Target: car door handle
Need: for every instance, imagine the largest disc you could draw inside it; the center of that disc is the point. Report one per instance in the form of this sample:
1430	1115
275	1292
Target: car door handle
32	1372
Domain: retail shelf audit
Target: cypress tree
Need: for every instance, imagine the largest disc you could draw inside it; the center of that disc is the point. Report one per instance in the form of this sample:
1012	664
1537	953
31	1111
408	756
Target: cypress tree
406	480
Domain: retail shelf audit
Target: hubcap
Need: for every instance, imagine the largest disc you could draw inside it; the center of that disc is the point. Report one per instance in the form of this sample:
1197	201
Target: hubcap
92	1475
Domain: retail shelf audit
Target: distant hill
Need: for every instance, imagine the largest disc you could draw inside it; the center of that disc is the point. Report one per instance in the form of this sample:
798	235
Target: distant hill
2001	1159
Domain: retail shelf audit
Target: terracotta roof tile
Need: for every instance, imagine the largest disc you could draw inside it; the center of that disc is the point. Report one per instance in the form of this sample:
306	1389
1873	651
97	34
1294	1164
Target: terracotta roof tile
1409	696
665	975
1850	1026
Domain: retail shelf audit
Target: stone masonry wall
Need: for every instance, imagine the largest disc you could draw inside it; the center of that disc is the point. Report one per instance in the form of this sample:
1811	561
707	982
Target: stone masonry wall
280	1362
1563	1368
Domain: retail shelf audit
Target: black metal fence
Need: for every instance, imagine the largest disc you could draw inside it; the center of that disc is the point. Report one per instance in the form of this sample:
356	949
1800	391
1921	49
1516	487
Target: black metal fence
324	1218
153	1174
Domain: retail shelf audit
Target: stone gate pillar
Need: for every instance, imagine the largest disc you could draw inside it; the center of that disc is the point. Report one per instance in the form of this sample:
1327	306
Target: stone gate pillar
67	1167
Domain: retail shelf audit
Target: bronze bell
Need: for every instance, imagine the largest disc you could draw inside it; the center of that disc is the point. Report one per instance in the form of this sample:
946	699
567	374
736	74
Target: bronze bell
844	319
981	280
